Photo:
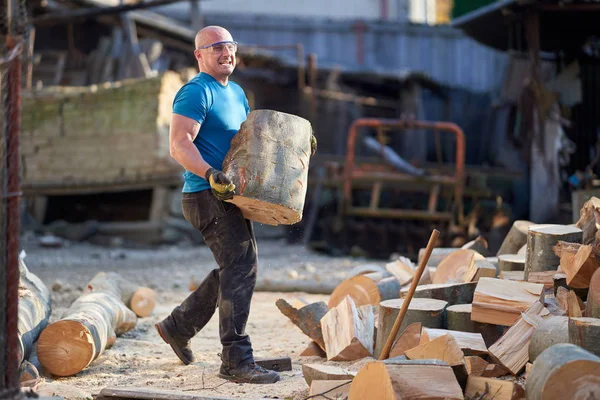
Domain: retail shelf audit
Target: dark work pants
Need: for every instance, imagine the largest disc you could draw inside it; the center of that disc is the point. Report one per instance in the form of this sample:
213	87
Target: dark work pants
231	239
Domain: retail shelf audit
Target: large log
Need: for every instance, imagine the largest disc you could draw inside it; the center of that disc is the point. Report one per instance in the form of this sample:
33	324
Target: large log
552	330
592	308
69	345
307	318
585	333
454	267
516	238
452	293
437	255
458	318
470	343
580	267
564	371
268	163
428	312
511	262
589	219
405	380
367	289
34	310
540	242
140	299
444	348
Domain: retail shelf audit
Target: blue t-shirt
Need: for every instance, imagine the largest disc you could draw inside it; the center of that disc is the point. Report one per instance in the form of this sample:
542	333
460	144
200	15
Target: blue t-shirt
220	110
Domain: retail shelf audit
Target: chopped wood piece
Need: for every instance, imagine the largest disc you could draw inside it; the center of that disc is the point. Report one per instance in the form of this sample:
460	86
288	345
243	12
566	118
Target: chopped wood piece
592	308
501	302
512	275
308	318
428	312
550	331
408	339
141	300
494	371
580	267
455	265
403	272
313	349
589	220
475	365
564	371
405	380
469	343
560	280
480	269
511	262
331	389
318	372
458	318
512	349
348	331
482	388
437	255
145	393
368	289
516	237
585	333
479	244
452	293
561	298
363	269
574	305
546	278
444	348
540	241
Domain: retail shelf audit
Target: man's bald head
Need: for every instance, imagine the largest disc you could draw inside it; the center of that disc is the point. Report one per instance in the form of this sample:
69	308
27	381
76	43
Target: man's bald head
211	34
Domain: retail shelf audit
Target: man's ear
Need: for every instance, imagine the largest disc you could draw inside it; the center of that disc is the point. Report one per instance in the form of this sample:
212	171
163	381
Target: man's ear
197	54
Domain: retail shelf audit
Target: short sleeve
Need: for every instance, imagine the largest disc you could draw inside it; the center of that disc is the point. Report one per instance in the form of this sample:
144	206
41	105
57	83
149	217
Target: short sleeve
246	105
191	101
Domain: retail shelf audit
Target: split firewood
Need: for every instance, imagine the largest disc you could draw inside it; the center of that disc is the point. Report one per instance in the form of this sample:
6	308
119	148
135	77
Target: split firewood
444	348
368	289
480	269
561	298
585	333
141	300
495	371
363	269
482	388
34	310
522	251
564	371
408	339
428	312
516	238
512	349
592	308
475	365
527	369
307	318
540	242
348	331
511	262
458	318
322	390
454	267
437	255
512	275
71	344
549	332
560	280
580	267
574	305
589	220
313	349
403	272
405	380
546	278
469	343
479	244
501	302
318	372
452	293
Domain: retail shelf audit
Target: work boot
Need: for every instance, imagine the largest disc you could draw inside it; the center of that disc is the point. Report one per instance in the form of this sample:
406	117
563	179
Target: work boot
249	373
180	346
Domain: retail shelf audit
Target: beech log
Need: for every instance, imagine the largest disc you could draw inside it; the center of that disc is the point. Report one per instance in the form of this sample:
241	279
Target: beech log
368	289
454	267
407	339
549	332
319	372
141	300
580	267
437	255
452	293
589	219
470	343
511	262
458	318
540	242
307	318
585	333
592	308
560	280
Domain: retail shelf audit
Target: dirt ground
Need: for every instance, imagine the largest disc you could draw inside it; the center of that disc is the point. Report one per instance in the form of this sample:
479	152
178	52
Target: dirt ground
140	358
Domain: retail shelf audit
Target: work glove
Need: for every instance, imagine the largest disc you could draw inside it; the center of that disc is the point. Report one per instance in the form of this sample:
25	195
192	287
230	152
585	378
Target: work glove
313	145
220	185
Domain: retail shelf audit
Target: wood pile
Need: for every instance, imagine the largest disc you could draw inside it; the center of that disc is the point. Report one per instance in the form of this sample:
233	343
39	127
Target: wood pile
532	319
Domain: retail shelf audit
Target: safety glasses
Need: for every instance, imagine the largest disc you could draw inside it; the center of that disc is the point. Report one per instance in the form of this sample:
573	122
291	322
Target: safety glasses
219	47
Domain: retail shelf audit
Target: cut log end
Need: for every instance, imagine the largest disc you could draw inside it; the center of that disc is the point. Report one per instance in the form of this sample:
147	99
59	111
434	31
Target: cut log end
65	347
266	213
143	302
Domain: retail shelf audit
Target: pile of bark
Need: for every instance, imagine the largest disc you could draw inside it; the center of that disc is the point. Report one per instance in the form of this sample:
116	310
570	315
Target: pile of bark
522	324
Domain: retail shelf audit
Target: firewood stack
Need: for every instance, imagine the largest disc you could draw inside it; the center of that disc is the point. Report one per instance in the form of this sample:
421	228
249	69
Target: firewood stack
472	320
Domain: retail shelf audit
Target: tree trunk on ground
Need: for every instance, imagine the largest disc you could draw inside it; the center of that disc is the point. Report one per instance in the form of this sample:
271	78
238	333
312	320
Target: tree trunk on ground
592	308
307	318
511	262
368	289
141	300
564	371
585	333
516	238
549	332
458	318
453	293
268	163
540	242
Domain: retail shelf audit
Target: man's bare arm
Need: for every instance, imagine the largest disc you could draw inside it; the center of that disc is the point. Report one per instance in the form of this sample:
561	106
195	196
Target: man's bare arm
181	144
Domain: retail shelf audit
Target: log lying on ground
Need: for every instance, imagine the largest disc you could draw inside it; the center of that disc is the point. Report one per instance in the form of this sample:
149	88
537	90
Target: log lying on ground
403	272
329	389
480	269
268	163
437	255
540	242
141	300
501	302
68	346
585	333
592	308
454	267
580	267
405	380
516	238
285	285
368	289
511	262
428	312
469	343
549	332
307	318
452	293
318	372
564	371
482	388
348	331
589	220
560	280
512	349
407	339
34	310
458	318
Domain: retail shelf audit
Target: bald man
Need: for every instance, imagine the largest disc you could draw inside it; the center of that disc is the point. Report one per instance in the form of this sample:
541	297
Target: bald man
207	113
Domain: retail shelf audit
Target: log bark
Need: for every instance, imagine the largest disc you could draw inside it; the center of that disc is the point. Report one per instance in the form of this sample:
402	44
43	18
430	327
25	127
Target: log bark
68	346
286	286
444	348
516	238
501	302
319	372
437	255
454	267
564	371
307	318
475	365
34	310
348	331
268	163
580	267
589	218
458	318
540	242
479	244
452	293
470	343
511	262
313	350
549	332
407	339
428	312
560	280
585	333
368	289
405	380
592	308
141	300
